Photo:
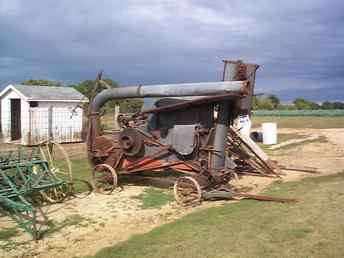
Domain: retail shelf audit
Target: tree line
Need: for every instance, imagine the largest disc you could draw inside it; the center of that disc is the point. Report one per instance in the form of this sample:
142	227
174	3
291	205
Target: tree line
272	102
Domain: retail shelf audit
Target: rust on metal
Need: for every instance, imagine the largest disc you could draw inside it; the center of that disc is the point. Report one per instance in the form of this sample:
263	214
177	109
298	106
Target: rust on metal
193	137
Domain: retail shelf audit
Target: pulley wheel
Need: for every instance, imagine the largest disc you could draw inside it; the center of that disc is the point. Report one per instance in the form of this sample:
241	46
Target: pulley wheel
130	142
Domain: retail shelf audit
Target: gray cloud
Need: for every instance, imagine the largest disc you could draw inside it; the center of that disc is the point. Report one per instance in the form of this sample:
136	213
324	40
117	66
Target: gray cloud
297	43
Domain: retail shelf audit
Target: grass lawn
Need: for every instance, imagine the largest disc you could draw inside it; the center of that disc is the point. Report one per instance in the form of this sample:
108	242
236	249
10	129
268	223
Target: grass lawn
300	122
154	198
312	227
81	170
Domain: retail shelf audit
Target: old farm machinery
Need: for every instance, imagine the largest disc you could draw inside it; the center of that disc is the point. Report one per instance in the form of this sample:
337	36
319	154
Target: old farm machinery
30	181
187	130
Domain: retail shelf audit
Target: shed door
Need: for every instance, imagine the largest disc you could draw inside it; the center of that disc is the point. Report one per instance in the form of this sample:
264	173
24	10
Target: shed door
15	119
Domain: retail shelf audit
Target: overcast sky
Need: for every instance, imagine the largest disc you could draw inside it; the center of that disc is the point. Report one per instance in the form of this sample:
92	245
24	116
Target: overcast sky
297	43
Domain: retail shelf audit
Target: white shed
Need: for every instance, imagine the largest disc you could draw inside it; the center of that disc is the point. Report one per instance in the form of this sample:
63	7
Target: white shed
29	114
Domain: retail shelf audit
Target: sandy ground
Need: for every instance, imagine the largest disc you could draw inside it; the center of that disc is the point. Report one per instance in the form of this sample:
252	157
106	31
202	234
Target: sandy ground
107	220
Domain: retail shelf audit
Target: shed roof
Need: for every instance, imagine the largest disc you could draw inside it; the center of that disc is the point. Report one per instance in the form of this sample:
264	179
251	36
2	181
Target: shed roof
47	93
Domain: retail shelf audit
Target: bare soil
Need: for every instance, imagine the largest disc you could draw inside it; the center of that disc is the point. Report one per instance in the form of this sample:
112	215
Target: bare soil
107	220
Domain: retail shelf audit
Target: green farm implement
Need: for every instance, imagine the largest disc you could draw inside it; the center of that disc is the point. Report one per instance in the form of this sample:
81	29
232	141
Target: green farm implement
31	180
23	177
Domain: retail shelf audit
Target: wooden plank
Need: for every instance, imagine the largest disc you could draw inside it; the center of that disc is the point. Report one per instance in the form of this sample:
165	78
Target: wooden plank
295	141
256	150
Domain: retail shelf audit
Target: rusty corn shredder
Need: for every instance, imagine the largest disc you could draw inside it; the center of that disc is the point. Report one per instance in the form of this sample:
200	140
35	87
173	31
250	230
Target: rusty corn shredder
185	131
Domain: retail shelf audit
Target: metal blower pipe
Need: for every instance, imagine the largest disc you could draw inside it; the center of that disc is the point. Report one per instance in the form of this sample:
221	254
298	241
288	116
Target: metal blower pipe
175	90
169	90
221	132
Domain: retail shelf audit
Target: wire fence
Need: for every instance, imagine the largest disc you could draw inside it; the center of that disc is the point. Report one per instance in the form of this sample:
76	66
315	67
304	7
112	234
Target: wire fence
38	124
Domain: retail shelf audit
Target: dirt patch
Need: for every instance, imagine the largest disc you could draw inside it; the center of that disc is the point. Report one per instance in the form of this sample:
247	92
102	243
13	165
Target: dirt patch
106	220
326	156
103	220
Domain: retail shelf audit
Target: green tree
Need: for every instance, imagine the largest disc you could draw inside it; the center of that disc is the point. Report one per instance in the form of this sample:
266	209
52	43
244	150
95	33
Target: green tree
327	105
263	103
275	101
266	104
338	105
41	82
255	102
301	104
89	89
131	105
332	105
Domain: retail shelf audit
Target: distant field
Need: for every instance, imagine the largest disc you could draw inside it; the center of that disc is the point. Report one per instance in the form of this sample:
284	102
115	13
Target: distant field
319	112
315	122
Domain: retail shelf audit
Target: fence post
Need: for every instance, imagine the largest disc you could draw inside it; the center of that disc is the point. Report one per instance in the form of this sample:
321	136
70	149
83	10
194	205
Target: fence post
50	123
30	127
50	128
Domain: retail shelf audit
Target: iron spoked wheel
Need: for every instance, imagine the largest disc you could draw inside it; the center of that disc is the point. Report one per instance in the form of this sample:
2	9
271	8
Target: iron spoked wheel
104	179
58	160
187	191
61	167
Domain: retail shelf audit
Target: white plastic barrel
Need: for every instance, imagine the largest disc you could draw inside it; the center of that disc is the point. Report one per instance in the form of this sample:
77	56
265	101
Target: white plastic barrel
269	133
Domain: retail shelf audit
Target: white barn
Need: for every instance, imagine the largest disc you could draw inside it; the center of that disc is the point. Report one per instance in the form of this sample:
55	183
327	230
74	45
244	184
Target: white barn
30	114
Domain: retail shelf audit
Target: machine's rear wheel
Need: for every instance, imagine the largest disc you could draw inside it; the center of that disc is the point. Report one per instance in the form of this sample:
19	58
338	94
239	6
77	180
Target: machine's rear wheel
187	191
104	179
